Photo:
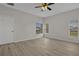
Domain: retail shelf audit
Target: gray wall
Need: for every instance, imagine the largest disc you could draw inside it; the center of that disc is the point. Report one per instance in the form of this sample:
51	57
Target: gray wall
58	25
24	24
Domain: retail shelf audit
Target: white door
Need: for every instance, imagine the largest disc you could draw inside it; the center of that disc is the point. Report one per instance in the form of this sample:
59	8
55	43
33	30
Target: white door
6	30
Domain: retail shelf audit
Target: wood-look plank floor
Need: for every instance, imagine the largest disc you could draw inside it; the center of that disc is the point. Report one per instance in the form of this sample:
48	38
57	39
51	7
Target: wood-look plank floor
40	47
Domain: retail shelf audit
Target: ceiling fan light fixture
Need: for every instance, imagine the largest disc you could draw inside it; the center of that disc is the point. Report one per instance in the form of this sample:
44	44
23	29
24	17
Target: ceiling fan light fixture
43	8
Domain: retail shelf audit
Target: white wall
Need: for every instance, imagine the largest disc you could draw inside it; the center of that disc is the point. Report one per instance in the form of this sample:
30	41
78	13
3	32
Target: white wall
26	27
24	24
58	25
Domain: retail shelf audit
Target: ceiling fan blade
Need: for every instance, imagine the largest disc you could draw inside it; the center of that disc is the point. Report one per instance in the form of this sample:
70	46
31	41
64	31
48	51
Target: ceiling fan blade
49	8
51	3
12	4
38	6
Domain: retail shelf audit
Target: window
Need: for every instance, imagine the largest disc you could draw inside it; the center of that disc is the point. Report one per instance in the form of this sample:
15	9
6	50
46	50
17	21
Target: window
47	27
39	27
73	25
42	28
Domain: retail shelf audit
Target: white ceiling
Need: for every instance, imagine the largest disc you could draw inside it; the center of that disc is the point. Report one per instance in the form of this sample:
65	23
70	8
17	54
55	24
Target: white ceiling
56	8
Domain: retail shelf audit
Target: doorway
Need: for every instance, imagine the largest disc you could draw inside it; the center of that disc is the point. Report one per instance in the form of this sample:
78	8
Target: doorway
6	30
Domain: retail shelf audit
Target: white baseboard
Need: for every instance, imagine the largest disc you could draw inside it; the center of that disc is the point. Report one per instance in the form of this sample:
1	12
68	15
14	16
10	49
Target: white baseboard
9	42
26	39
76	40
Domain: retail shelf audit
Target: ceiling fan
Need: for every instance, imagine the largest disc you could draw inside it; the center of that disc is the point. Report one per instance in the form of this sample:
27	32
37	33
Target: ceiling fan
44	6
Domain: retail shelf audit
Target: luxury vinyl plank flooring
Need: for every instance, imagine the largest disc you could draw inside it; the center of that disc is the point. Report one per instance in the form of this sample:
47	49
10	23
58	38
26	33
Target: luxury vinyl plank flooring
40	47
